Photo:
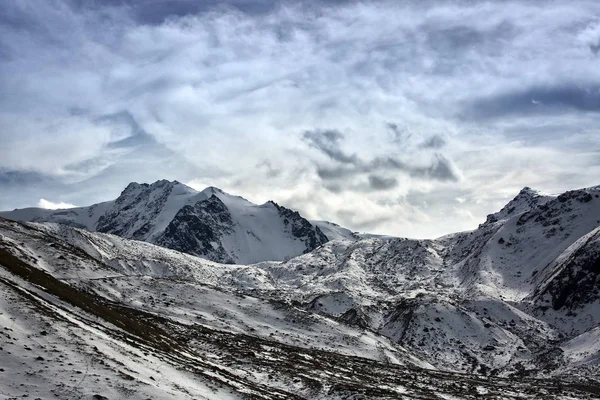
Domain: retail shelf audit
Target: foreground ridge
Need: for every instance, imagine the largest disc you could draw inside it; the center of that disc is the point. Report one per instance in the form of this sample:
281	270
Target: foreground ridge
136	351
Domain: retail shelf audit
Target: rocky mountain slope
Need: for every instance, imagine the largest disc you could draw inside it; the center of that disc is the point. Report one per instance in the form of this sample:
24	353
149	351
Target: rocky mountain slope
211	224
90	315
518	298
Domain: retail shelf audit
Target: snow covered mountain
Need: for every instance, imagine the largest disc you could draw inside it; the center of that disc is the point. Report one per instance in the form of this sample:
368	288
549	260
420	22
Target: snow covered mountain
211	224
91	315
517	297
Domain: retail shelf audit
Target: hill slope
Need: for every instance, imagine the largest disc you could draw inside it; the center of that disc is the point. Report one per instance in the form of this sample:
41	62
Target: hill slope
90	315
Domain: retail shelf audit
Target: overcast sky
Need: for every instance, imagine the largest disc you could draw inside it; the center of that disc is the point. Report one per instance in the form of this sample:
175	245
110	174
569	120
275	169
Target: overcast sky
405	118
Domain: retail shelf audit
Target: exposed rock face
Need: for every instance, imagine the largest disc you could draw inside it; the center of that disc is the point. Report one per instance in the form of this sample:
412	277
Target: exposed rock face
300	228
574	282
199	230
527	199
135	211
229	229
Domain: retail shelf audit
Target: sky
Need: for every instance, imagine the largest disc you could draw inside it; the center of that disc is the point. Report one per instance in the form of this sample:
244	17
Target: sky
409	118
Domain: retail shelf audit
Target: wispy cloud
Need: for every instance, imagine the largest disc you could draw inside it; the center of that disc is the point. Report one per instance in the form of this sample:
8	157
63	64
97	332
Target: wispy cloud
329	142
374	114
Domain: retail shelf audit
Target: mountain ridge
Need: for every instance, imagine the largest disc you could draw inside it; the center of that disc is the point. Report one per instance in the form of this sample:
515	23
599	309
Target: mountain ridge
517	297
145	211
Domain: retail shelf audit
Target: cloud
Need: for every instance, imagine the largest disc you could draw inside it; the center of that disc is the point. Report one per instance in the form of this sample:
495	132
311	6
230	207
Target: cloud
590	36
439	168
426	102
443	169
434	142
271	172
399	134
349	166
539	100
328	142
43	203
381	183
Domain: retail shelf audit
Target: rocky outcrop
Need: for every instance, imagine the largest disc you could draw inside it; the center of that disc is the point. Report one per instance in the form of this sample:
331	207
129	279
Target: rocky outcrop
301	228
199	230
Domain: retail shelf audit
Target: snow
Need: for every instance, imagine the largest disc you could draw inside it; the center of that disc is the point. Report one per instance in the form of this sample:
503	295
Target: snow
473	302
181	195
85	217
585	348
258	233
143	212
334	232
42	356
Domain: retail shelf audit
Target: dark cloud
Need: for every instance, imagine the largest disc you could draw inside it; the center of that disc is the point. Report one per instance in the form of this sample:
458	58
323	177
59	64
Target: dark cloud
328	142
154	12
452	39
350	165
537	100
270	170
25	188
434	142
381	183
402	135
333	187
398	134
19	178
158	11
137	136
337	173
440	169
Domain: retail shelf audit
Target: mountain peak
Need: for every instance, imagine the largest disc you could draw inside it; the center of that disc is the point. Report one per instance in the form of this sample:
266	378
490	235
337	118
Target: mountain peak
213	189
528	191
134	185
166	183
229	199
525	200
159	183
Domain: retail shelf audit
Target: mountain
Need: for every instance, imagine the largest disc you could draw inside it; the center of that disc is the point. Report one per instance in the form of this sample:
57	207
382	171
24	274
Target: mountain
211	224
517	298
335	232
525	200
92	315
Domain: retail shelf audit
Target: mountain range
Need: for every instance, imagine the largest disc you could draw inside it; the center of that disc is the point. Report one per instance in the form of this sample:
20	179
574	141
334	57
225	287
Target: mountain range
167	292
211	224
